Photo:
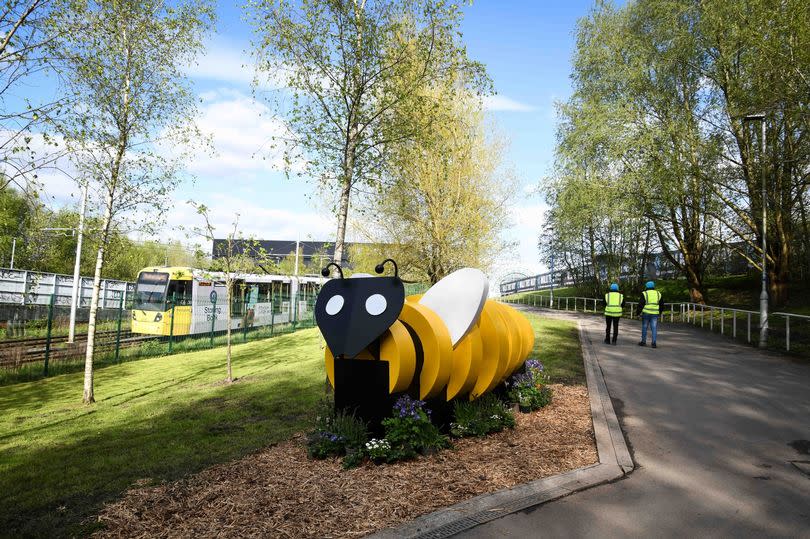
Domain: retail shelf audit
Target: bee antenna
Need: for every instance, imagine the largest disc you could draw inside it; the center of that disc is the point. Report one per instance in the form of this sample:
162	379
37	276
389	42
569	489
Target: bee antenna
325	271
380	267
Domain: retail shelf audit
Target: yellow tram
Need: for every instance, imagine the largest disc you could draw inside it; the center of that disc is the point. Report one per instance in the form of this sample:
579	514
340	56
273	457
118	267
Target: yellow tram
199	300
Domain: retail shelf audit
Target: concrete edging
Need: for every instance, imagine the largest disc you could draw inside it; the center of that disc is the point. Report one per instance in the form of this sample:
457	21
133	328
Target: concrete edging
614	463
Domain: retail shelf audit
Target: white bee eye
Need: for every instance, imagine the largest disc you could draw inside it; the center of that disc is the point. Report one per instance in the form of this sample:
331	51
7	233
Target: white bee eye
334	305
376	304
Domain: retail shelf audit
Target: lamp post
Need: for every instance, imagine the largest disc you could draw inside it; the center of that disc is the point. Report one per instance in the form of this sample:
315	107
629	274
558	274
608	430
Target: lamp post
763	296
551	295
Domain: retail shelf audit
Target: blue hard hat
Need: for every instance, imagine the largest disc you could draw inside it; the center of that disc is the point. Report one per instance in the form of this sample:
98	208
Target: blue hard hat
650	284
614	287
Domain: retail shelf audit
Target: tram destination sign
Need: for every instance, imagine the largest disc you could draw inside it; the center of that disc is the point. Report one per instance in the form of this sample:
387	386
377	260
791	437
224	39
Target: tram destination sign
153	277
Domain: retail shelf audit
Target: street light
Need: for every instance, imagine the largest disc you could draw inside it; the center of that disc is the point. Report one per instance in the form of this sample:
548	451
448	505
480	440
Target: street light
763	296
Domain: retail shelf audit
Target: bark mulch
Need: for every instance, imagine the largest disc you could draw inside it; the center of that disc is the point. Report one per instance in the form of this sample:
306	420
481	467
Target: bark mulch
279	492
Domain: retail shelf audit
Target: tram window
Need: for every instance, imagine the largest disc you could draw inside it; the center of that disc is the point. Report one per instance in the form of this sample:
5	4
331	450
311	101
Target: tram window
282	294
150	291
265	293
238	294
180	291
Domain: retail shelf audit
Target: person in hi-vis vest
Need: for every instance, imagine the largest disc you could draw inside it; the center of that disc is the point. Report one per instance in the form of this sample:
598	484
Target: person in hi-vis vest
614	302
650	307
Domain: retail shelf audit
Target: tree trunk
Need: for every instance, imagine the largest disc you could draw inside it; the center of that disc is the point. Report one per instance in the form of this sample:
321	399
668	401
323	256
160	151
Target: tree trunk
229	379
695	284
804	266
88	394
345	193
343	213
779	277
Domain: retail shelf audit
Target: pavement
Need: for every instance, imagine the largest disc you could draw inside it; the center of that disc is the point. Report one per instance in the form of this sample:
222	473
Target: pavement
719	435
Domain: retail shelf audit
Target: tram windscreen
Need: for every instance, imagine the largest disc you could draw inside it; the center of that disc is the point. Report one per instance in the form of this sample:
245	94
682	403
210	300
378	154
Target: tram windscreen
150	291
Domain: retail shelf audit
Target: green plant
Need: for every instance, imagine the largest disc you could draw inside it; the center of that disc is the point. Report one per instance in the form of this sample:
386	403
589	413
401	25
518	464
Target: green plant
153	349
378	450
528	389
410	432
337	433
481	417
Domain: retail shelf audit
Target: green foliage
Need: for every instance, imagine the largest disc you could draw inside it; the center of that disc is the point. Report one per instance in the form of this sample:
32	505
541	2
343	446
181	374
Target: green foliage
446	204
481	417
336	434
528	389
24	218
653	153
410	432
352	74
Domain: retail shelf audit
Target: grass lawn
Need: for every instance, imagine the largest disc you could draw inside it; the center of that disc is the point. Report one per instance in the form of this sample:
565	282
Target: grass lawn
154	420
557	346
163	418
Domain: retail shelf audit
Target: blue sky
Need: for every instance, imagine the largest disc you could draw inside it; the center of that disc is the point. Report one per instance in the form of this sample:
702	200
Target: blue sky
526	47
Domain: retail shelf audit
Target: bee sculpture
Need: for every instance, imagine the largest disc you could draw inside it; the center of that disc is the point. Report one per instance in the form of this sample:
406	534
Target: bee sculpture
451	342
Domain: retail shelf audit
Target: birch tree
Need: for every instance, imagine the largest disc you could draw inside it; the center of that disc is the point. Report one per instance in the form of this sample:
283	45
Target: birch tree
448	199
234	258
125	66
352	72
27	34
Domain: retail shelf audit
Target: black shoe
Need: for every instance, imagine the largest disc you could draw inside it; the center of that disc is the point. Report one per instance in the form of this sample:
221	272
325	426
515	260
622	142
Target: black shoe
642	343
613	342
654	345
607	341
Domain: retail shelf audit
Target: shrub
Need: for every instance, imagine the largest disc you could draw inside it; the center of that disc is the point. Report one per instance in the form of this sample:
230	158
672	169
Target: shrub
528	389
481	417
409	431
335	434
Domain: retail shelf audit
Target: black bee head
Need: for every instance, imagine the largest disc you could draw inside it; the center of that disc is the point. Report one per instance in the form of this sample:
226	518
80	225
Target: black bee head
351	313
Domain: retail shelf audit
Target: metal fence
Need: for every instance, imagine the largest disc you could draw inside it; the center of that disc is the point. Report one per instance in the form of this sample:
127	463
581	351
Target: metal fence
786	331
43	350
23	287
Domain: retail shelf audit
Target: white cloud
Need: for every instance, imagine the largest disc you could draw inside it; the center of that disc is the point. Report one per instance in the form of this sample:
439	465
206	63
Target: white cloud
224	63
500	103
241	131
257	218
228	63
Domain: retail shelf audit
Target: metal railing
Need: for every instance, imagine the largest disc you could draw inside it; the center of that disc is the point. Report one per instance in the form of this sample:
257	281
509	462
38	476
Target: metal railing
726	319
788	316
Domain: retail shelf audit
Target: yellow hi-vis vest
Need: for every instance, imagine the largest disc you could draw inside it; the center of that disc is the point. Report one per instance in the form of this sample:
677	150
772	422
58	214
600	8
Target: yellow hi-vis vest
651	298
613	304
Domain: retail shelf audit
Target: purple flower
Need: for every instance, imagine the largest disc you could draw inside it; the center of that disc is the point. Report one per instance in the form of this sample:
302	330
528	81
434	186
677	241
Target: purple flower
534	364
407	407
330	436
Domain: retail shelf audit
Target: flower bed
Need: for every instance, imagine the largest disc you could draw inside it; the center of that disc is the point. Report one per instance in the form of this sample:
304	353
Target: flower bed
281	492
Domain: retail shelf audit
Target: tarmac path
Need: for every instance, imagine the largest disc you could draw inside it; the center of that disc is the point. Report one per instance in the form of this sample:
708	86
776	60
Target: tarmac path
717	430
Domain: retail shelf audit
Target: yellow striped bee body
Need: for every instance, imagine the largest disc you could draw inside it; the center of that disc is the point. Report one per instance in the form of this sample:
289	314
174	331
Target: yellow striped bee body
452	342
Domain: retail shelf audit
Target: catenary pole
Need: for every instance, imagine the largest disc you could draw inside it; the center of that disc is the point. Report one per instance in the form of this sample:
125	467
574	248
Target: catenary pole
74	296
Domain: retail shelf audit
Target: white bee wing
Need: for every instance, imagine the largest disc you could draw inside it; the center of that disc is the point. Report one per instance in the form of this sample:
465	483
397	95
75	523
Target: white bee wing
458	300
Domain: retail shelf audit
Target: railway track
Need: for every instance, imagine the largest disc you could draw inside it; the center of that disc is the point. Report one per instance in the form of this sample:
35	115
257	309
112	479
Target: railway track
17	352
56	339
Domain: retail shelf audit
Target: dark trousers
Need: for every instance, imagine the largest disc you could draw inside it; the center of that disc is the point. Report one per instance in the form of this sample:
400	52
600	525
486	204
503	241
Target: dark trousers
614	321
